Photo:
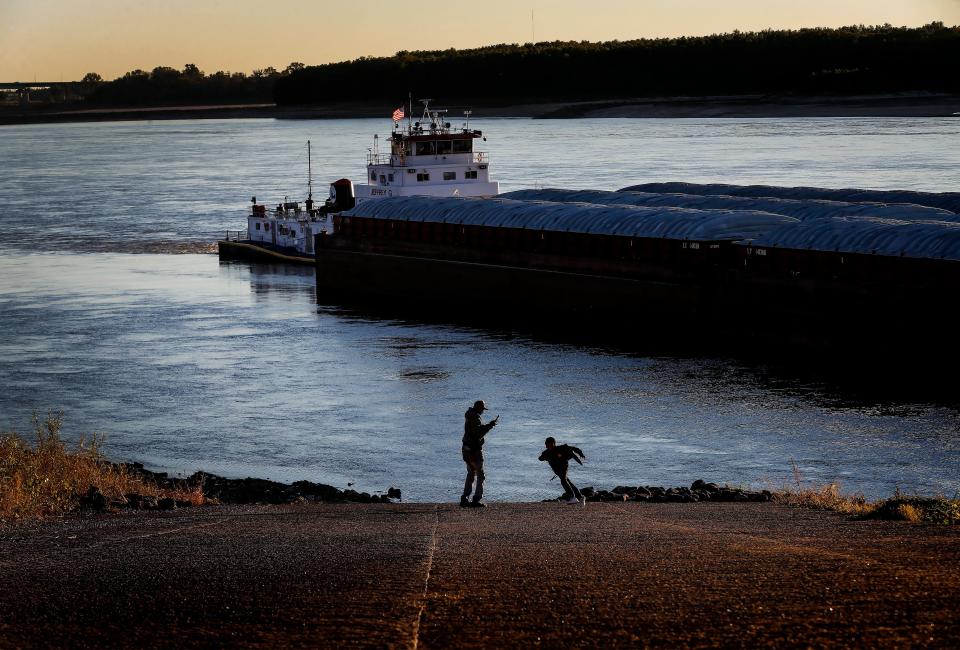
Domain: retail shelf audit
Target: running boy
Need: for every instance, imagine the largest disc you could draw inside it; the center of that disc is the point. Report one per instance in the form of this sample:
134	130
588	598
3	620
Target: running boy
558	456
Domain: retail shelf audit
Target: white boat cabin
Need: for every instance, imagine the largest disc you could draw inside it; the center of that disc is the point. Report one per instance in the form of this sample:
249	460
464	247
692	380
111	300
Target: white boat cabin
288	225
428	158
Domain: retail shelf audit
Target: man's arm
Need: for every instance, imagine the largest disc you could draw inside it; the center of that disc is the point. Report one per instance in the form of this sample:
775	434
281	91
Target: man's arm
543	455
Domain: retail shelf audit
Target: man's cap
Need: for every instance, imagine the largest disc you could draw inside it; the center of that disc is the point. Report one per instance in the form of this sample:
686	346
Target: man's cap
479	405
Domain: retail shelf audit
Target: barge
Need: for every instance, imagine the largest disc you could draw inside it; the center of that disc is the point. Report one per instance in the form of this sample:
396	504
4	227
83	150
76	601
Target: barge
836	279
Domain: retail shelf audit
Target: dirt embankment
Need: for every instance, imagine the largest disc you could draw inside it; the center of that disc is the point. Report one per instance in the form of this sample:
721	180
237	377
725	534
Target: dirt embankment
606	575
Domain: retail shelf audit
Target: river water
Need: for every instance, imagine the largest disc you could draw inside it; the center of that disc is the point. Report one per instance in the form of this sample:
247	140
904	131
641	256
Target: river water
115	310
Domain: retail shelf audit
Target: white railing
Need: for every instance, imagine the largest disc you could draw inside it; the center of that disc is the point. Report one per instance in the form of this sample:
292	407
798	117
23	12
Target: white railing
236	235
478	157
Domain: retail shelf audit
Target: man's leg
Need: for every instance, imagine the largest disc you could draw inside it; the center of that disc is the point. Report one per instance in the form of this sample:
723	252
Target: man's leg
478	469
471	474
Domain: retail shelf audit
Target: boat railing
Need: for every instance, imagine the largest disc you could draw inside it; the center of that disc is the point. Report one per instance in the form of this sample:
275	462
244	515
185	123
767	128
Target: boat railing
394	160
236	235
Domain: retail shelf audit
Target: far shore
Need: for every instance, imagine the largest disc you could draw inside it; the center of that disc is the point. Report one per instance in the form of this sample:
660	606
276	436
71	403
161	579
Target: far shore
749	106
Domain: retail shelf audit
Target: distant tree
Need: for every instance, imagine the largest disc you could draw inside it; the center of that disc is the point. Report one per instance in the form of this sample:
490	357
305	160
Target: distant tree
191	70
164	73
294	67
91	78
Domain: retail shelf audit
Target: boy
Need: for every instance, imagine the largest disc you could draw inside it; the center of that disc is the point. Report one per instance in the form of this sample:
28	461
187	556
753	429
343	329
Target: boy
559	458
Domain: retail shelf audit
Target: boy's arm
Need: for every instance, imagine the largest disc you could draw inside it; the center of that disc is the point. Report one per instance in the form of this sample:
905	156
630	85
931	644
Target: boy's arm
543	455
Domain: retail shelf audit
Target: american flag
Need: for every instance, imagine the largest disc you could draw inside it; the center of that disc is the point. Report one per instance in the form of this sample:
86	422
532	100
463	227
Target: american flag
398	114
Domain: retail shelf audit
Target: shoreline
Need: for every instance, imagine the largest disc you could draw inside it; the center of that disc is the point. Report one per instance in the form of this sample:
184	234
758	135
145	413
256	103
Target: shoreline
737	107
221	490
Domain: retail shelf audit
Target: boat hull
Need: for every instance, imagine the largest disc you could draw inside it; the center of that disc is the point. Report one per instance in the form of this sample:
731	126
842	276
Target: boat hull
258	252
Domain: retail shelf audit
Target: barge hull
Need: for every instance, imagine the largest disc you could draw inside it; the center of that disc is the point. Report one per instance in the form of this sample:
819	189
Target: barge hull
349	275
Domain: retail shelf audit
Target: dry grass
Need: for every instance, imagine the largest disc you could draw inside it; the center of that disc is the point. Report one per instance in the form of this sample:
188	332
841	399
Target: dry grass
826	497
47	478
939	510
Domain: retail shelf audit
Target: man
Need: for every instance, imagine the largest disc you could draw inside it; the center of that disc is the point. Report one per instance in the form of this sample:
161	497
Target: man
474	431
559	459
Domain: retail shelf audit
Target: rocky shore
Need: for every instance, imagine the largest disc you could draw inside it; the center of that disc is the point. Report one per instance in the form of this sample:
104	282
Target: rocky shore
699	490
218	490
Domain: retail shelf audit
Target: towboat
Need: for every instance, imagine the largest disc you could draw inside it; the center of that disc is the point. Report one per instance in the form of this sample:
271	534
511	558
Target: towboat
427	157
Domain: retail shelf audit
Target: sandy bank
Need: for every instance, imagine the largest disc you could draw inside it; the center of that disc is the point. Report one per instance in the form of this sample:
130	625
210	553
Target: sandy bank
901	105
512	575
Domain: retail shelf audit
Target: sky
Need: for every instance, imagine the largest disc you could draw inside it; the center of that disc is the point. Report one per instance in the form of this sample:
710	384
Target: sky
54	40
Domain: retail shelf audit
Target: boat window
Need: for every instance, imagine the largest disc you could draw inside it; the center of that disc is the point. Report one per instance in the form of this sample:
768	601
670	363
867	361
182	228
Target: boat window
449	176
472	173
258	226
425	148
462	146
383	179
444	147
373	176
390	177
423	177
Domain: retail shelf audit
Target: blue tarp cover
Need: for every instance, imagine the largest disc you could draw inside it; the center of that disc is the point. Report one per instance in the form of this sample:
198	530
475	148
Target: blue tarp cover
801	209
929	240
945	200
628	221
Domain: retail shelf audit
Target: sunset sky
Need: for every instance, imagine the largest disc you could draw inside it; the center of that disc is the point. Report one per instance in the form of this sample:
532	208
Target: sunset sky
50	40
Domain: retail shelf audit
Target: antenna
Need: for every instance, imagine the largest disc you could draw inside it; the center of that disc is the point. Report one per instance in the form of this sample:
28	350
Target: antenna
466	126
309	173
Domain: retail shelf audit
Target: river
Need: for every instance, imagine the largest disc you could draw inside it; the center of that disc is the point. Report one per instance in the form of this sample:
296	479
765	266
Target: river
116	311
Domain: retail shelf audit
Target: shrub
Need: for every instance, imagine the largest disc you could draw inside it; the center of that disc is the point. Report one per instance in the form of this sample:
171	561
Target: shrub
48	478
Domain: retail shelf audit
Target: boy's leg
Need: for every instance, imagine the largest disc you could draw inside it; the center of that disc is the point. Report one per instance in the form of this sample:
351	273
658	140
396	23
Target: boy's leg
569	489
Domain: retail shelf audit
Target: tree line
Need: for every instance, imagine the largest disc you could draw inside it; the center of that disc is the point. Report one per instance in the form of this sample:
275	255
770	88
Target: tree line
169	86
856	59
847	60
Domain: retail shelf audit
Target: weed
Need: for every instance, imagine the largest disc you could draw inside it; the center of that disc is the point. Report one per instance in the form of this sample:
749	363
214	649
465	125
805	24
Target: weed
899	507
48	478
